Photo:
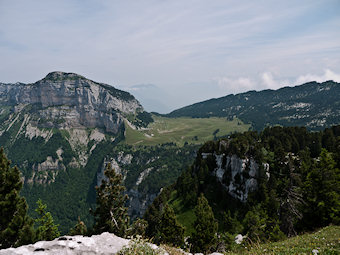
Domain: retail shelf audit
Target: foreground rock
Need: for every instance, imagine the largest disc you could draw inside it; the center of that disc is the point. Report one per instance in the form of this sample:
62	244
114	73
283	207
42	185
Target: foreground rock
105	243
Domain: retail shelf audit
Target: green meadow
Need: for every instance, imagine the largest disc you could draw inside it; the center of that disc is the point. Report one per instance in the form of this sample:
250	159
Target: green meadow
183	129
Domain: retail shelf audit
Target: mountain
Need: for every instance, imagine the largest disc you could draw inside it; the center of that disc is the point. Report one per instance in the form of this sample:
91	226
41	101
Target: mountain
313	105
67	100
65	113
61	131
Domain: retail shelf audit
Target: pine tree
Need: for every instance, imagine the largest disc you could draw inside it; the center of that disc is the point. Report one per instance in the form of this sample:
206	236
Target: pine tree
47	230
79	229
322	189
138	228
291	199
16	228
254	223
170	231
111	213
205	226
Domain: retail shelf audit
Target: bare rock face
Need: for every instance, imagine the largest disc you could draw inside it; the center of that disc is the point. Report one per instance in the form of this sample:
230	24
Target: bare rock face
238	176
68	100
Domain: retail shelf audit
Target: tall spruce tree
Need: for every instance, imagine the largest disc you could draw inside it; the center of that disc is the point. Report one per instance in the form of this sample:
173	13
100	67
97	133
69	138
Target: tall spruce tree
170	231
111	213
205	226
16	228
322	189
79	229
47	230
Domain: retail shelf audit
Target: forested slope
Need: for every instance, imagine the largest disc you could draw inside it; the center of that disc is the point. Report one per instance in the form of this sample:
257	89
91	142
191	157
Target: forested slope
313	105
267	185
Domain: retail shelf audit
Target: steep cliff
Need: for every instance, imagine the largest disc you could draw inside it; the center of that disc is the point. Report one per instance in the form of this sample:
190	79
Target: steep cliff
237	176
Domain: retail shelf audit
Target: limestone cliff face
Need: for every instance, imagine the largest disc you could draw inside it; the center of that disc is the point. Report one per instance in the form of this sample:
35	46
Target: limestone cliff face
64	114
239	176
67	100
138	201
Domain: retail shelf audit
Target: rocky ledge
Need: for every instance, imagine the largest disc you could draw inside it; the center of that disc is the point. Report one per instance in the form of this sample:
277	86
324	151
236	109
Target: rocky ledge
103	244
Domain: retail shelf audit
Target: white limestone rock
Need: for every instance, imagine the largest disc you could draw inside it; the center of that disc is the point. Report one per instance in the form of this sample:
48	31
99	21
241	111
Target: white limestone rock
103	244
237	185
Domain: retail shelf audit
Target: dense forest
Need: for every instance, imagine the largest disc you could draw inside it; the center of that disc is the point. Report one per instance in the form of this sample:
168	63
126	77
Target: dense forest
297	190
298	187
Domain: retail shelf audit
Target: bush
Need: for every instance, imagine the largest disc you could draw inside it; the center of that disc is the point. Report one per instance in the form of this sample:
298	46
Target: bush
139	246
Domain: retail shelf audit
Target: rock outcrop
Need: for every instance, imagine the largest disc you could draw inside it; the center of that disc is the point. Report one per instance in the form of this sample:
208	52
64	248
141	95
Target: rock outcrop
103	244
238	176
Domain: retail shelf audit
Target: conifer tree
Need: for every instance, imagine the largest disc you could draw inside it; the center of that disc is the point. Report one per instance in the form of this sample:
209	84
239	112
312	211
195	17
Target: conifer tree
79	229
47	230
111	214
170	231
205	226
138	228
291	199
16	228
322	189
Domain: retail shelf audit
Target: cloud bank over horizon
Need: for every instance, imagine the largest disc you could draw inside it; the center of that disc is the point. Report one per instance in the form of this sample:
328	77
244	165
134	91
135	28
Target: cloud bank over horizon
190	50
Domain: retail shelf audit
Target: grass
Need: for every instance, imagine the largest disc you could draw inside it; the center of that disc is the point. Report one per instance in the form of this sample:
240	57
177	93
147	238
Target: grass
181	130
185	216
324	241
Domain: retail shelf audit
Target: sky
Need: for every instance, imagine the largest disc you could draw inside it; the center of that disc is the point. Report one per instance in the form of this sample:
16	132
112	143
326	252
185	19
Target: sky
172	53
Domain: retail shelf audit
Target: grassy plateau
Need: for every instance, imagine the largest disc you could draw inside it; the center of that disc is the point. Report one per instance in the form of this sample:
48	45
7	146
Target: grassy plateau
183	129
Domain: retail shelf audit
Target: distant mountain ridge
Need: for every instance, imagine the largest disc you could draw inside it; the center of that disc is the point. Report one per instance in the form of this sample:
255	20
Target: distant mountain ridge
314	105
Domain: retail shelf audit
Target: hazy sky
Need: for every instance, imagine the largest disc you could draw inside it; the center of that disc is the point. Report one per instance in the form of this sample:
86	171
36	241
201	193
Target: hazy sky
172	53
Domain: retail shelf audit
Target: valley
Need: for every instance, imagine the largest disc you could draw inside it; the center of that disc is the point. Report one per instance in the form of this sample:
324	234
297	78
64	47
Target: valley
63	130
183	130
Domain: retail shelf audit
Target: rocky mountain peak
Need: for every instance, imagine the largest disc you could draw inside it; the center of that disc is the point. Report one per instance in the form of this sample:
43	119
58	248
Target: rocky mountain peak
69	100
58	75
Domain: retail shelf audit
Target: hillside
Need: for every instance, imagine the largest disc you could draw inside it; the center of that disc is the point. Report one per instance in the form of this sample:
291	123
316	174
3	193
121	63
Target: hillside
323	241
313	105
267	185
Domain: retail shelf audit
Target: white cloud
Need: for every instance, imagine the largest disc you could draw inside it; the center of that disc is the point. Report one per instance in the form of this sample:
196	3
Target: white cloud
237	85
328	75
270	82
172	43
